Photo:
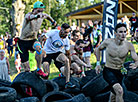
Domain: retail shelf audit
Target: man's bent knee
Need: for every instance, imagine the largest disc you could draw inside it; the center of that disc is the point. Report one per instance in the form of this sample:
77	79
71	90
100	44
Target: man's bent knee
118	89
26	66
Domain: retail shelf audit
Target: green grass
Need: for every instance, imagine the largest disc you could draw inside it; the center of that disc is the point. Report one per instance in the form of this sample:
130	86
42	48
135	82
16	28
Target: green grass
54	71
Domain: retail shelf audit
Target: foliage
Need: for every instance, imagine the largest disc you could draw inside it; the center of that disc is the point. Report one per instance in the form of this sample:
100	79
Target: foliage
4	16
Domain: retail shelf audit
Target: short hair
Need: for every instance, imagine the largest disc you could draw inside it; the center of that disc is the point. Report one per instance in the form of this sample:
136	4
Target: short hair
120	25
79	41
74	32
65	26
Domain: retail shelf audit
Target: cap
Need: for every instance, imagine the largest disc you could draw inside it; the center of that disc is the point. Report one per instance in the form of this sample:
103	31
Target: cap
38	4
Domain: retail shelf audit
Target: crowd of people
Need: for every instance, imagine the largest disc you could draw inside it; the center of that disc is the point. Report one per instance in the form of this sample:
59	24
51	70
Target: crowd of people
70	47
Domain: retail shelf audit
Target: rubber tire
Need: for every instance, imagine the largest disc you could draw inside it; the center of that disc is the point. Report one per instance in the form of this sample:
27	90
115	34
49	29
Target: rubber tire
55	96
51	85
130	97
135	85
62	80
103	97
31	80
91	72
77	98
7	94
95	86
85	80
73	92
5	83
29	99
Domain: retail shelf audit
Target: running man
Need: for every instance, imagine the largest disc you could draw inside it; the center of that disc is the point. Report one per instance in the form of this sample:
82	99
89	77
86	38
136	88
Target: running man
56	45
116	52
28	39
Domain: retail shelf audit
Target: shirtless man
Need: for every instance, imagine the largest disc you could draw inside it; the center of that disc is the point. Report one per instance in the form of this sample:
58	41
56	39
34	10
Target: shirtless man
28	38
56	46
116	52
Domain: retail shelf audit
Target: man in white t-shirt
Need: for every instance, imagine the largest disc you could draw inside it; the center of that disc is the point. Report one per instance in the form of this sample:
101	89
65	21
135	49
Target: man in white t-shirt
57	41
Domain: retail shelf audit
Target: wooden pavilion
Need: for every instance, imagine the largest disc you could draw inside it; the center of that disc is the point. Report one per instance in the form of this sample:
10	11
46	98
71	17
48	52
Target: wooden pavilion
95	12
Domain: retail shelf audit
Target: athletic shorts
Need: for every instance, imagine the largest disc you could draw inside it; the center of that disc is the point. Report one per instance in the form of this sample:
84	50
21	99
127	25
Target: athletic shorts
53	56
24	46
112	77
87	54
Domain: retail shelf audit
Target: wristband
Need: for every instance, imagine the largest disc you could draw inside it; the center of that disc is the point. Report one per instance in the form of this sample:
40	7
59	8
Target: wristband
98	63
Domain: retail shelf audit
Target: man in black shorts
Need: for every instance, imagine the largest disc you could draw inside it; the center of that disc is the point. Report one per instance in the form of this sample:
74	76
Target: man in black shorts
28	39
56	46
116	52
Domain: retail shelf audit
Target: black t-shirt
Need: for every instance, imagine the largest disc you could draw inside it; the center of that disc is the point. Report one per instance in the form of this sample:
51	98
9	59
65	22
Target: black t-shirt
9	41
133	21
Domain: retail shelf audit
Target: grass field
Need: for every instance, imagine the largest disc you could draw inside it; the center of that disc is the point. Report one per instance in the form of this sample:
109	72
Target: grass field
54	71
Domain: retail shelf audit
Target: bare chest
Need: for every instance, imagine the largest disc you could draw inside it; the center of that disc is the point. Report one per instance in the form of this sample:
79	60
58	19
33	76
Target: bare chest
117	51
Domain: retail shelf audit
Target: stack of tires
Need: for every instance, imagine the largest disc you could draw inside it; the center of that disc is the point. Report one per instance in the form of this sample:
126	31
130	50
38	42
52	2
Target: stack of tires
92	88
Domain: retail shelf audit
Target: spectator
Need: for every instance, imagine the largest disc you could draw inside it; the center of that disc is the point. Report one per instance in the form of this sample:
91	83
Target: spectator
97	36
18	63
133	21
2	44
10	45
4	66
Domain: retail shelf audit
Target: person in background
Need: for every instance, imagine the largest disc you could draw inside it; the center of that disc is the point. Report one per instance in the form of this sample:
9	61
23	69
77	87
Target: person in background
133	22
2	44
97	36
4	66
9	41
87	49
18	63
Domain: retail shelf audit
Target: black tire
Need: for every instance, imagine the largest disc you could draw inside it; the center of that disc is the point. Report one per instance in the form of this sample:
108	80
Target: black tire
7	94
74	91
25	79
135	85
77	98
95	86
55	96
91	72
29	99
103	97
51	85
62	80
130	97
85	80
80	98
5	83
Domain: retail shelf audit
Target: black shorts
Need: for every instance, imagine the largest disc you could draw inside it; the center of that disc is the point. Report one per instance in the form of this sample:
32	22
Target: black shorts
24	47
53	56
112	77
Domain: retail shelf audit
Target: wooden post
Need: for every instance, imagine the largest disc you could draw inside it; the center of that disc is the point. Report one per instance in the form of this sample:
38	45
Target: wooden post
120	7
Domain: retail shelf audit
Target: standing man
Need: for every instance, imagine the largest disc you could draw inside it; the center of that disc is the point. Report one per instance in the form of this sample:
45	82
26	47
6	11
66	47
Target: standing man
58	42
116	52
28	39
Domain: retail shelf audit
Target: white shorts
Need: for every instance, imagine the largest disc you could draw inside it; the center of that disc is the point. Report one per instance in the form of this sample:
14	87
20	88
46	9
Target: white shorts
87	54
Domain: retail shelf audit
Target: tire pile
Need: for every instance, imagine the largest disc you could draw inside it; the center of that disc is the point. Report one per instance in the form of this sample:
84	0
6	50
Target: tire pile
92	88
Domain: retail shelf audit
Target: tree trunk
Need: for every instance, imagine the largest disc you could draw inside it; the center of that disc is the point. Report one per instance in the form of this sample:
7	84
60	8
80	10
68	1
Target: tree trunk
17	14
